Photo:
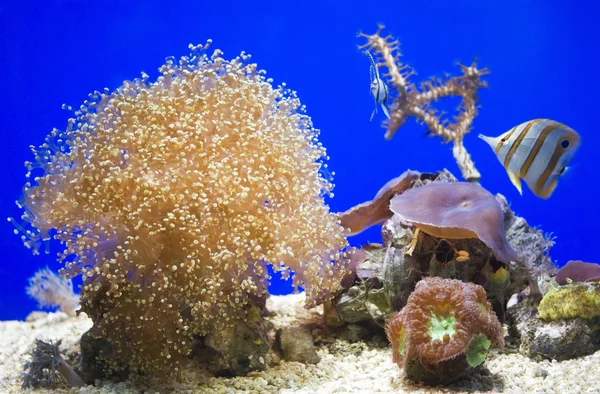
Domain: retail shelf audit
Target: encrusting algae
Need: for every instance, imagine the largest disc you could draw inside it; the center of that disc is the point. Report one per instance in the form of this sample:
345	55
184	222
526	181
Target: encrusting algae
172	197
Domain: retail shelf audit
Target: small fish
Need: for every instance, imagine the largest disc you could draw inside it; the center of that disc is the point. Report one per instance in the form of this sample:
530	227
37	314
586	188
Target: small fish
537	151
379	89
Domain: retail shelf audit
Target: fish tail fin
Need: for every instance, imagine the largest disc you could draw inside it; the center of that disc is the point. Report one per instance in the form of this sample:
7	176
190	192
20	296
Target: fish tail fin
386	111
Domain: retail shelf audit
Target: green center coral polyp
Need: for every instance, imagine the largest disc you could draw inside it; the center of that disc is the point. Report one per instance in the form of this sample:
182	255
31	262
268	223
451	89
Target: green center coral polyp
401	343
439	326
478	350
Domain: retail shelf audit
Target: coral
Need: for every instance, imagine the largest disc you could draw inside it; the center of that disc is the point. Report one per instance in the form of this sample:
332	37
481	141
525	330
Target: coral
47	368
418	102
376	211
444	331
469	260
50	290
533	248
456	210
578	271
551	340
570	301
172	197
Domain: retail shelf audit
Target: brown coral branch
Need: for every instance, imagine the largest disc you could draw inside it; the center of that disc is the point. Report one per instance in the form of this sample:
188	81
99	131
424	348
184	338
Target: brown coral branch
417	102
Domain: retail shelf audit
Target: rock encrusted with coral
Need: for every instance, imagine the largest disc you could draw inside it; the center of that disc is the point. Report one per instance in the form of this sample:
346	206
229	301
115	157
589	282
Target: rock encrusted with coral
361	367
444	331
562	339
409	255
171	198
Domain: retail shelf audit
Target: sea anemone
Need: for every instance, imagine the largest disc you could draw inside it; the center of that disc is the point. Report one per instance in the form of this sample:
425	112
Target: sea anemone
172	197
47	369
458	210
51	290
444	331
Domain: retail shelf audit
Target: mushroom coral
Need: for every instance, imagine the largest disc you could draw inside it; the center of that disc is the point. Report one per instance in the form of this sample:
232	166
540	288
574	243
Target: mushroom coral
171	198
578	271
458	210
445	330
370	213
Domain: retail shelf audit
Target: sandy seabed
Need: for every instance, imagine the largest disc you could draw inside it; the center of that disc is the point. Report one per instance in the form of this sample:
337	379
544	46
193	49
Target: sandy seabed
344	367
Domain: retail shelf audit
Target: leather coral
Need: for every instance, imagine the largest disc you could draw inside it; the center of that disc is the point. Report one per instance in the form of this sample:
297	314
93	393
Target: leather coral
171	198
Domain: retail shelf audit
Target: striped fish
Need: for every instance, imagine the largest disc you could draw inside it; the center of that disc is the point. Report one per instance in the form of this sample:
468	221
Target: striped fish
379	89
537	151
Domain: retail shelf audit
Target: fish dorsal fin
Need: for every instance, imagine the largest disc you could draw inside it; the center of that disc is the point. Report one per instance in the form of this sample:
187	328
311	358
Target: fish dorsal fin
514	178
373	68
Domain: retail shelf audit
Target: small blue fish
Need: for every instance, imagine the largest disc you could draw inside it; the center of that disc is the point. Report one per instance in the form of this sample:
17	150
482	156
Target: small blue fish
537	151
379	89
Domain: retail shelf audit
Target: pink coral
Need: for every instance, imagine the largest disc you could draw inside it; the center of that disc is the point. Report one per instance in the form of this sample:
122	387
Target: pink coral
172	197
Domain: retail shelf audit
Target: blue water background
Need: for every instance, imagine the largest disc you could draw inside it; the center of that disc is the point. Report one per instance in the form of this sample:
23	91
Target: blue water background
543	57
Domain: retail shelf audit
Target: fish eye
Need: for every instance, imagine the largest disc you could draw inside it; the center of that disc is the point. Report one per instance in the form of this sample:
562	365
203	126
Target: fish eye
565	144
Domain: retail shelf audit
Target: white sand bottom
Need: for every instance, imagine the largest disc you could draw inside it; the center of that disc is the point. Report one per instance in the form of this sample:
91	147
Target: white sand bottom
344	367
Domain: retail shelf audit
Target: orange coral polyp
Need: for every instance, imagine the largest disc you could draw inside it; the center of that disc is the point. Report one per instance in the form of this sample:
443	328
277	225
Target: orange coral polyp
438	298
158	191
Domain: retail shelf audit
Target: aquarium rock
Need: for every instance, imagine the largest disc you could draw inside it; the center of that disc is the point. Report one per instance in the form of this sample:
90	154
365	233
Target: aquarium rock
553	340
367	300
297	344
571	301
532	246
240	349
356	333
